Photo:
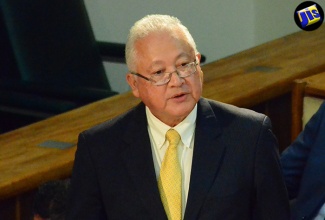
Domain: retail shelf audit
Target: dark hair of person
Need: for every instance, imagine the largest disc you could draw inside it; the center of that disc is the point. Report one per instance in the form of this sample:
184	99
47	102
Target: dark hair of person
51	199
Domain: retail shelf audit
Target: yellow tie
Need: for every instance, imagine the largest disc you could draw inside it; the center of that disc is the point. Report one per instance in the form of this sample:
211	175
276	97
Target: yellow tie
170	179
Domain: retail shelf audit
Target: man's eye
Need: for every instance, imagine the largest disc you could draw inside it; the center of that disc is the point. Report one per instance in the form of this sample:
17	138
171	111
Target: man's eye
184	64
159	72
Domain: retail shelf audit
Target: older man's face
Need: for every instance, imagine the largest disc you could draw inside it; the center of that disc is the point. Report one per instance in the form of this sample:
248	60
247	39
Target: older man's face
172	102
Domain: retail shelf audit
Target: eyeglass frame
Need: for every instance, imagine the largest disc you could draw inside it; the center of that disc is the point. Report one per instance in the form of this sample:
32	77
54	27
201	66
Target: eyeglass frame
170	74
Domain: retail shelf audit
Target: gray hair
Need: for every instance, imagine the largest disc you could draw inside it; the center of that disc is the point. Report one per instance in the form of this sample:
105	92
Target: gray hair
150	24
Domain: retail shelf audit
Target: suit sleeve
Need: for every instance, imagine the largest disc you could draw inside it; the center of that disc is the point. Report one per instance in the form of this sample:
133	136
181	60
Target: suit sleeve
84	201
271	194
295	157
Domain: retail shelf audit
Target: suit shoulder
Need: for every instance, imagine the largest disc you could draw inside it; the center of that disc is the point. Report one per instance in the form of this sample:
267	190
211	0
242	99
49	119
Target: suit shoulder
231	110
115	124
321	111
230	114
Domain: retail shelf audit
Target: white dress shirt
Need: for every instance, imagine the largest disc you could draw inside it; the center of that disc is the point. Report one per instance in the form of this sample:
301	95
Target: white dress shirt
157	131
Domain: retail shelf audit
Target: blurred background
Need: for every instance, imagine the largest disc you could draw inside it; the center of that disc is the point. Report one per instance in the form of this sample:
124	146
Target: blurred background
220	28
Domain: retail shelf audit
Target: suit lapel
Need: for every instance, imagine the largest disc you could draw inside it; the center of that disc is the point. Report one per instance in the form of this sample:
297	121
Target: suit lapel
139	163
207	157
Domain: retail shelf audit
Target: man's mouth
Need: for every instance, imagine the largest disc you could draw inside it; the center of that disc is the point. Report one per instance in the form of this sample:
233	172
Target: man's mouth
178	96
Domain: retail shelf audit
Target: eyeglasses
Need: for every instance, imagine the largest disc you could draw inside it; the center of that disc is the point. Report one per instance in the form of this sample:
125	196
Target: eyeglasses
161	78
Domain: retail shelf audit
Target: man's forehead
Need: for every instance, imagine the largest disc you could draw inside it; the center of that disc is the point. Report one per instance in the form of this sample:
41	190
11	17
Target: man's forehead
158	41
180	56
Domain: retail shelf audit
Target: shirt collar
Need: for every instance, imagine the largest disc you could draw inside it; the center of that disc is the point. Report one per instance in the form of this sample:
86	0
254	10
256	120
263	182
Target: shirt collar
185	128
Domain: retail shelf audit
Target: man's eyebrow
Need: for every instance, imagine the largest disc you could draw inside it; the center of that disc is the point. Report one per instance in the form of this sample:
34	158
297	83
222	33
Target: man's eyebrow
183	55
155	64
160	62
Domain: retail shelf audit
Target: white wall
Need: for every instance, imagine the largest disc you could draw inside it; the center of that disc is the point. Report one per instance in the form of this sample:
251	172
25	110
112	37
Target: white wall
274	19
220	28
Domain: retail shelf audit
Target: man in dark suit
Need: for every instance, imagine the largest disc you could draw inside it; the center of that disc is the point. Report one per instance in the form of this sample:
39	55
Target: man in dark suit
304	169
224	166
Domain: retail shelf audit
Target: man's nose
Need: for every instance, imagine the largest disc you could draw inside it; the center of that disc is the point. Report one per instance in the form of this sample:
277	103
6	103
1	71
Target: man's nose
175	79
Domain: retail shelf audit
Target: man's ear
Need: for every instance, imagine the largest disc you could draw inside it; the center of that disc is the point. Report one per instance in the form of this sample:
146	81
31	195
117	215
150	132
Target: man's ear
198	56
133	83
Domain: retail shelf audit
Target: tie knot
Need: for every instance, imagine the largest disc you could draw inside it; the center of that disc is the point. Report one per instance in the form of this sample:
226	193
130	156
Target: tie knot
173	137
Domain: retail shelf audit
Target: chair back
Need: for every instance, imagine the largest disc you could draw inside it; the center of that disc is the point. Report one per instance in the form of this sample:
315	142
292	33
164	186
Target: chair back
307	96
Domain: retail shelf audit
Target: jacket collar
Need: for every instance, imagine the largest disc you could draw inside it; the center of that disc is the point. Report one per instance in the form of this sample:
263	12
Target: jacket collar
139	163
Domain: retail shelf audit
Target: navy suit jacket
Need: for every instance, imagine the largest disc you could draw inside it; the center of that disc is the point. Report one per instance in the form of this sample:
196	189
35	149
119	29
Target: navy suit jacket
235	173
304	168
